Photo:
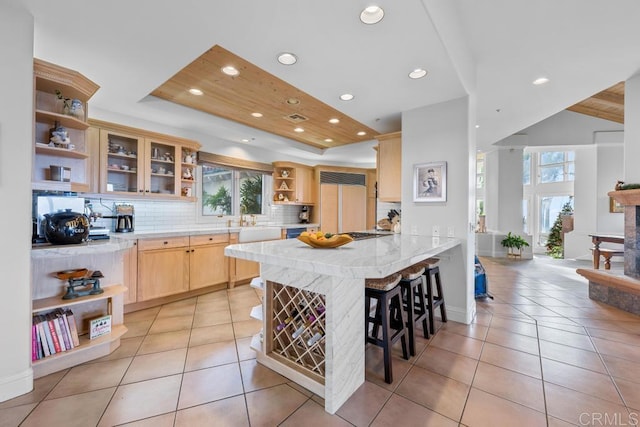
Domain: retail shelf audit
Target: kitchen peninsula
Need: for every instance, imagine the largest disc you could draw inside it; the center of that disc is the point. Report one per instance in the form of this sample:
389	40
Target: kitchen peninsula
313	308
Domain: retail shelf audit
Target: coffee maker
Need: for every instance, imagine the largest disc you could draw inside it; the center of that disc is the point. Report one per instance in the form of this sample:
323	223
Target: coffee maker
304	215
124	218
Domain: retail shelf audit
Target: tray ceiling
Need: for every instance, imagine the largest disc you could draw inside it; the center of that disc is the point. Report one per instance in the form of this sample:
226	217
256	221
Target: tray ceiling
282	106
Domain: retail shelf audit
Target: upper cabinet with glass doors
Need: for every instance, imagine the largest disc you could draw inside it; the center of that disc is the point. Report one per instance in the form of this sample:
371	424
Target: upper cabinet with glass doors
137	162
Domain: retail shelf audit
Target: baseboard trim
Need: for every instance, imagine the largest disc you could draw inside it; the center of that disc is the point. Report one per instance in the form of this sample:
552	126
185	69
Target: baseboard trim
16	385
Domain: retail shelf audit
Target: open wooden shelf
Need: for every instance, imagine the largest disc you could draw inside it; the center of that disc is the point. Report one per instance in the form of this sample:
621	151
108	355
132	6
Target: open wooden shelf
60	152
51	303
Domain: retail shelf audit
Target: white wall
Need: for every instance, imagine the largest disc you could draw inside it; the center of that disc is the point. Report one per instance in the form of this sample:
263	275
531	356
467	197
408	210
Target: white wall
16	140
441	133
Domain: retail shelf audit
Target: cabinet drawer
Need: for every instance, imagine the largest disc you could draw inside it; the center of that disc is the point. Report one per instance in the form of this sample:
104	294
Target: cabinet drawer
208	239
168	242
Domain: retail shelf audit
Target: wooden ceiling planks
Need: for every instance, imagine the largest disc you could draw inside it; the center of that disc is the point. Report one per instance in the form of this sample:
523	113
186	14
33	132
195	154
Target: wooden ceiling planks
254	90
608	104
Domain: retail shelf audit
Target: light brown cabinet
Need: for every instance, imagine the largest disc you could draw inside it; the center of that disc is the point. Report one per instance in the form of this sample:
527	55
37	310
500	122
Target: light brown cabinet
73	153
176	265
163	267
389	162
293	183
141	163
208	265
130	273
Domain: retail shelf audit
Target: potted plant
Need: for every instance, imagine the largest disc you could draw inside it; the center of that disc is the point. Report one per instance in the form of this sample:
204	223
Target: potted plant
514	244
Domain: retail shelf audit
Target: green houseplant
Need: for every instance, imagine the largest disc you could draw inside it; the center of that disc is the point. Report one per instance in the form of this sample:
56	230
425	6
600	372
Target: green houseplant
514	244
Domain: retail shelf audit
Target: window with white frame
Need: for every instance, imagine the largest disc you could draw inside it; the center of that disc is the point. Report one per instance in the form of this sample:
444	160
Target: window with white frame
556	166
548	176
232	191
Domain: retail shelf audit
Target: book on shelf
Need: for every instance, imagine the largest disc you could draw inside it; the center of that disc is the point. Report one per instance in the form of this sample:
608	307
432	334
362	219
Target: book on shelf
47	331
56	325
34	342
99	326
64	328
46	350
73	329
52	331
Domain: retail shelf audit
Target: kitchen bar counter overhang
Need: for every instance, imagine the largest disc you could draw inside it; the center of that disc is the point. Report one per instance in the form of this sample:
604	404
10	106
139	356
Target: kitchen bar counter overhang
339	276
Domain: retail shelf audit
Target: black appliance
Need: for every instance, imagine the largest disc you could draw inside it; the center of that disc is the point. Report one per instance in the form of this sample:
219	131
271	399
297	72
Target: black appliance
65	228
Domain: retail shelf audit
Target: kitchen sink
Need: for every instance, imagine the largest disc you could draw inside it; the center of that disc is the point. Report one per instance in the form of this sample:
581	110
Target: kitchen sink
256	234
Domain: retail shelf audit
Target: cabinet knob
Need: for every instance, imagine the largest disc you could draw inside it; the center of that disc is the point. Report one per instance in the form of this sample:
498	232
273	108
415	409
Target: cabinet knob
210	238
165	243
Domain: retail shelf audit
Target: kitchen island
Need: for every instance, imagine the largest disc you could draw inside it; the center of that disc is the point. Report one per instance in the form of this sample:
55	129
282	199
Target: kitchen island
313	309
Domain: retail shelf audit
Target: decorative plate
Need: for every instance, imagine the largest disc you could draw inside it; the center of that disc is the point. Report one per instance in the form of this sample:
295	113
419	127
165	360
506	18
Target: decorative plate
334	241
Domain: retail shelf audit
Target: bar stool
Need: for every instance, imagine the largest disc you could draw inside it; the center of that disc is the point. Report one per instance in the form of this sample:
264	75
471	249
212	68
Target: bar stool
388	315
434	300
414	302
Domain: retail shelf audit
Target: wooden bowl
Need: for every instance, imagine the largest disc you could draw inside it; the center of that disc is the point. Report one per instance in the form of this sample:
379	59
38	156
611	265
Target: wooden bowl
72	274
334	241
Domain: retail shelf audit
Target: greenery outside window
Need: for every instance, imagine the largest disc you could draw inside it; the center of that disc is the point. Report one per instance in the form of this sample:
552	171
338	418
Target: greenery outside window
230	191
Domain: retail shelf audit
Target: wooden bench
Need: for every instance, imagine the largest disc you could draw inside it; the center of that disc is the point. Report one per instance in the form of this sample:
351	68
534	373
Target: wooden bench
606	254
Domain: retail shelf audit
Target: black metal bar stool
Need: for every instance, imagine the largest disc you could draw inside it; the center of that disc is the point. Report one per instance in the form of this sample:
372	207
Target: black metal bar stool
414	302
388	316
434	300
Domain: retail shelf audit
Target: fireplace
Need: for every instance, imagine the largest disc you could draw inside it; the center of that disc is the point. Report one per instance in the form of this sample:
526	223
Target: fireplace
621	291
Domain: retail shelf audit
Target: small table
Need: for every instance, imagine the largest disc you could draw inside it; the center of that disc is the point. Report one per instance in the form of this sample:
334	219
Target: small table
599	238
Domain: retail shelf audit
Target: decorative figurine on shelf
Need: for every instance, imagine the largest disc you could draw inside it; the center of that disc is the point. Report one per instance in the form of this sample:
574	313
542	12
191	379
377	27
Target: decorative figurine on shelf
66	102
187	174
285	173
188	158
58	136
76	110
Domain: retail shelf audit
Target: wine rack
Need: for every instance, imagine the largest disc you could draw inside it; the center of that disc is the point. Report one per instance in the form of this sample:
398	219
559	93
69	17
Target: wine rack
298	329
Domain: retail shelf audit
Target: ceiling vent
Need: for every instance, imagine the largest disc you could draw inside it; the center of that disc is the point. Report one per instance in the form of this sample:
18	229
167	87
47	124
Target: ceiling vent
296	118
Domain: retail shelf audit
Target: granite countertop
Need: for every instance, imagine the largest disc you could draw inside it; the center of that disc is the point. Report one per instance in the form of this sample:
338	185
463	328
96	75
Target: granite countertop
367	258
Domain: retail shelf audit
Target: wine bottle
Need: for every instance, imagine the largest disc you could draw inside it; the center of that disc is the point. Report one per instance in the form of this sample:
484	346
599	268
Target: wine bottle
315	338
294	315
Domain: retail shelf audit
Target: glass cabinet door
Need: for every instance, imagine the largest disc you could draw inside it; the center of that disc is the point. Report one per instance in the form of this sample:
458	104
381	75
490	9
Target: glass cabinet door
122	163
163	160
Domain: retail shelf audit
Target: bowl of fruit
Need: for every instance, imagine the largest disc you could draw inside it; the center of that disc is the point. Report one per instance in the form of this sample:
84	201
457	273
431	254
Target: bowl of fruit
324	240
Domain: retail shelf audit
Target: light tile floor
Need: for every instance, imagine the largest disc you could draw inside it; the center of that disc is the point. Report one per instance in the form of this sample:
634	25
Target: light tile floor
540	354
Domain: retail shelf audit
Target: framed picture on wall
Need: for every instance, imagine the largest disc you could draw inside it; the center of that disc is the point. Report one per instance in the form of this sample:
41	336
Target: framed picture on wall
430	182
614	206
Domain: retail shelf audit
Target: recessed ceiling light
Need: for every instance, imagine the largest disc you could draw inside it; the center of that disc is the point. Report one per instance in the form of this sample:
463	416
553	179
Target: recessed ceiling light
194	91
540	81
361	133
328	140
334	121
346	97
256	114
372	15
418	73
293	101
477	126
230	71
244	140
299	130
287	58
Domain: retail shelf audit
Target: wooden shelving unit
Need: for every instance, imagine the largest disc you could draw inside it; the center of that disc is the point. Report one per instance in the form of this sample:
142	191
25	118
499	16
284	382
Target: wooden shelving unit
88	349
48	79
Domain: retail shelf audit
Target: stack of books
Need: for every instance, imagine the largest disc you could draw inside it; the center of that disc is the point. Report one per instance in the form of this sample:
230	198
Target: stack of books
52	333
